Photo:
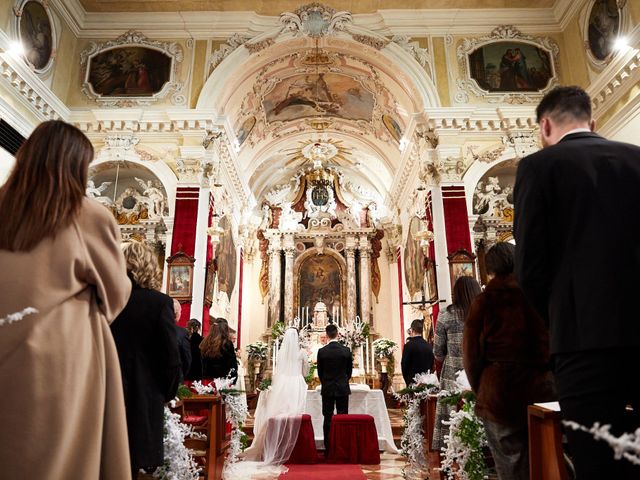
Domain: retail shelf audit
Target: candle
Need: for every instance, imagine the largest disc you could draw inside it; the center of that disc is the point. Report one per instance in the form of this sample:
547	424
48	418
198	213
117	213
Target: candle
366	355
362	366
307	314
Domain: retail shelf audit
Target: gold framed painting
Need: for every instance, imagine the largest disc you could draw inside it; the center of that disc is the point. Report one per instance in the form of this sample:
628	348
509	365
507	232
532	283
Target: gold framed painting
461	264
180	276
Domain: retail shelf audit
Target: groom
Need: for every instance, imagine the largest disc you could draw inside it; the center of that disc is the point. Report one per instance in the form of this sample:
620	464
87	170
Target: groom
334	370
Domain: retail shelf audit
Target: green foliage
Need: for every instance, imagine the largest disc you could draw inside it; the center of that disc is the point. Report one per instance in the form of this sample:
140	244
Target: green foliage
312	371
244	438
454	399
277	331
265	383
471	433
183	392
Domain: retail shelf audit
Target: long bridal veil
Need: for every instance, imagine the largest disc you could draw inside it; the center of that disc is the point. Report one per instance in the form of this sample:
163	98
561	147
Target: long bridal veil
278	414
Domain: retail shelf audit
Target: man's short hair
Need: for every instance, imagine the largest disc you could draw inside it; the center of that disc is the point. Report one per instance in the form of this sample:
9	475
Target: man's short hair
565	103
417	326
332	331
499	260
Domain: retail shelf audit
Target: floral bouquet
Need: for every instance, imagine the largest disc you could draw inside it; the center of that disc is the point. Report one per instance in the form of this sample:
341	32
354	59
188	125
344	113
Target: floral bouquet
384	348
354	333
257	351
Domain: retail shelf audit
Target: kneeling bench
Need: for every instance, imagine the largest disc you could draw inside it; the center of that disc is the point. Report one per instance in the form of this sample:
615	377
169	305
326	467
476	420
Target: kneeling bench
353	439
304	451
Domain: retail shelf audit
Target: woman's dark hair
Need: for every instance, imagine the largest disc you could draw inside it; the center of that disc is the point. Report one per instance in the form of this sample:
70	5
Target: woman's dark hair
500	258
44	192
193	326
216	339
464	291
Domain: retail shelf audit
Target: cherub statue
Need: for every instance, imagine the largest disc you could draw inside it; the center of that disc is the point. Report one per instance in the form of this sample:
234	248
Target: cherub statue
96	192
289	218
267	217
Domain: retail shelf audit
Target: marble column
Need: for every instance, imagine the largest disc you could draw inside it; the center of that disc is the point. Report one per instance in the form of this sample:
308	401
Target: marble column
350	251
289	252
365	279
274	277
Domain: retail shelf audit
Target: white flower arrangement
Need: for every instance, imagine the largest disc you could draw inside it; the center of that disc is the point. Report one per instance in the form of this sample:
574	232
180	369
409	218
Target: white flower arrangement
354	333
384	348
412	441
202	389
16	317
236	411
625	446
257	351
178	461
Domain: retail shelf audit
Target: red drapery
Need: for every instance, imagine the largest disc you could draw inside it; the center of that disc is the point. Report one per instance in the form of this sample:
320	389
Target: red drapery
456	218
184	231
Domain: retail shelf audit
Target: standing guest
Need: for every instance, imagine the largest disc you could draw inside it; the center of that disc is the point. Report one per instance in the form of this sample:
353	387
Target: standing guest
182	337
218	354
145	336
62	409
577	233
448	348
335	366
417	355
506	357
193	330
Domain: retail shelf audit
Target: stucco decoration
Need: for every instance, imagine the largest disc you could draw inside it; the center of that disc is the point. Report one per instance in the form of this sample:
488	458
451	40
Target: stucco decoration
469	87
132	39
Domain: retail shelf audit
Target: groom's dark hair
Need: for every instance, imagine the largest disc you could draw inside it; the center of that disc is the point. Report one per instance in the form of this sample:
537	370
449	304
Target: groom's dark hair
332	331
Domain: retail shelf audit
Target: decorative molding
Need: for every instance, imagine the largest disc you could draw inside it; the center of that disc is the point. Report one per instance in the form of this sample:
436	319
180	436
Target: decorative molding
375	42
135	39
222	148
29	89
315	20
233	42
413	48
468	86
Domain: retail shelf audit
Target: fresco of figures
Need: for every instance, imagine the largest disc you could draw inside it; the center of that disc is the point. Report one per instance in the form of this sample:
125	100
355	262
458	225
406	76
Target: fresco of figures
36	34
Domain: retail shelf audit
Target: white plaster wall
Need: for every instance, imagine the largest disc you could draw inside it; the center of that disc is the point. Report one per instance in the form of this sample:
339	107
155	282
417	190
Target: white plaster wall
254	310
6	164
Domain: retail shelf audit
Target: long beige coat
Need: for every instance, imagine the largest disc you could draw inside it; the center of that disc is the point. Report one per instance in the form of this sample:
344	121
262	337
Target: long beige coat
62	411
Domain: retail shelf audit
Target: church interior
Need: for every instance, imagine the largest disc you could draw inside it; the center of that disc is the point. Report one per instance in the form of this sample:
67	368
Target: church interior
304	165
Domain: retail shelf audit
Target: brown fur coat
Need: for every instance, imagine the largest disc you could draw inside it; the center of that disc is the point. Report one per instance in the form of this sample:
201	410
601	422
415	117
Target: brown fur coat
506	353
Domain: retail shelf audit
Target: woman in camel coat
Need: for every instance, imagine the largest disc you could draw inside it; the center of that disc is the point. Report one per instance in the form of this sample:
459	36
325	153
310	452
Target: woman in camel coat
61	408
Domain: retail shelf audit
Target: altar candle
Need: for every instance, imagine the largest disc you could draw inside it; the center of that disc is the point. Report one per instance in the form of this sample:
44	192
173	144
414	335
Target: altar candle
366	355
307	314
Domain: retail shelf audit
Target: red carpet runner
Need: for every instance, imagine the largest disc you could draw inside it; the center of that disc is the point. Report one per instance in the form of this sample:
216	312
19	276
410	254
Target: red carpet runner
323	472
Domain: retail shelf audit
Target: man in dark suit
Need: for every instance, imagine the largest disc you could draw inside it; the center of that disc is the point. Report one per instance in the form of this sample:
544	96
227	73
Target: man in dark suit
577	232
417	356
182	337
334	369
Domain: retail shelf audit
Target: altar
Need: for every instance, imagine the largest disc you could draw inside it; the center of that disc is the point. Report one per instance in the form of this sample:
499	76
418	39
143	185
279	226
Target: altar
361	401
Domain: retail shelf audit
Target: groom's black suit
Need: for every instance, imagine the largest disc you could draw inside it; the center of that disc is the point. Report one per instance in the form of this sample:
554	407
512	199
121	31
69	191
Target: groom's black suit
334	369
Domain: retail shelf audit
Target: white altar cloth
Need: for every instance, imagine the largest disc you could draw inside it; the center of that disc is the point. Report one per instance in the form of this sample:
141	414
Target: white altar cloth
369	402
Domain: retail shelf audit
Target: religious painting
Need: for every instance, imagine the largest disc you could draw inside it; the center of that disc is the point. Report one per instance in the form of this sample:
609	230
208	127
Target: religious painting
226	259
603	28
461	264
245	129
129	71
493	195
511	66
322	94
320	282
431	283
180	276
414	259
36	34
393	126
209	283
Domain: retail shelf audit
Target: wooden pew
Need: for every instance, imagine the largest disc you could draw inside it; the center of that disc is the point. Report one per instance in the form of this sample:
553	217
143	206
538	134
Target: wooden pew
428	412
546	456
215	428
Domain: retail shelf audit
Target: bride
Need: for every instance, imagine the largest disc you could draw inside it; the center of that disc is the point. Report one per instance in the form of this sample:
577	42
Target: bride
278	415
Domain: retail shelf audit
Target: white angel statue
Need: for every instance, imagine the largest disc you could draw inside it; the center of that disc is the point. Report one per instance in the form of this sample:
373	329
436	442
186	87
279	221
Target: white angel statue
96	192
155	197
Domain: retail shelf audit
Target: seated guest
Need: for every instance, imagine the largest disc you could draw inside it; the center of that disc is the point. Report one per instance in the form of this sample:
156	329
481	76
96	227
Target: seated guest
218	353
193	330
506	357
448	348
417	356
184	346
145	337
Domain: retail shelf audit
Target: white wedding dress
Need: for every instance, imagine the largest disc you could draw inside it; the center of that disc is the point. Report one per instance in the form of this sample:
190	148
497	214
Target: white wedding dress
278	416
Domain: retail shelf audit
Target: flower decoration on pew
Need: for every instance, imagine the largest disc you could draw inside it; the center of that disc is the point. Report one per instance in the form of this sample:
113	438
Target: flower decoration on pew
178	461
411	443
236	411
463	456
625	446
